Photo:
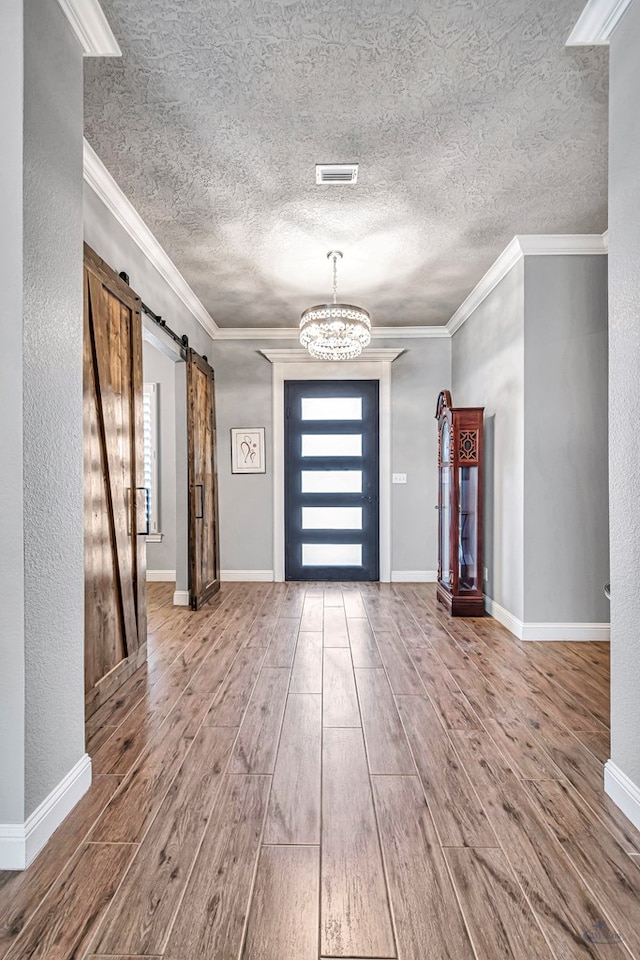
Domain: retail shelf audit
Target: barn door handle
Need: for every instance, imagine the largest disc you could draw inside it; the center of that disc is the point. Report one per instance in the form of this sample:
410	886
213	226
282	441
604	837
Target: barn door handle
200	516
147	515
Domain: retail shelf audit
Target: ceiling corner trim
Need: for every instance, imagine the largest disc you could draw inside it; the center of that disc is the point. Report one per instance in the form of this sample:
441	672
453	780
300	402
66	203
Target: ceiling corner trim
496	272
597	22
91	27
98	178
529	245
295	355
293	333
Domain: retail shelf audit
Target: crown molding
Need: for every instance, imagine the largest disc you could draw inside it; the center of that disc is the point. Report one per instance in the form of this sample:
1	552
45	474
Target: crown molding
98	178
526	245
90	26
295	355
293	333
597	22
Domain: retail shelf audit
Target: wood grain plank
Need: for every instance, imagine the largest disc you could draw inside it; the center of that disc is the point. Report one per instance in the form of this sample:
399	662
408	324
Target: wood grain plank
597	857
457	811
65	923
340	703
139	918
306	676
400	670
364	649
427	917
294	805
333	597
312	614
495	910
233	696
387	748
561	902
453	707
283	644
525	755
283	921
211	918
354	914
353	604
257	743
21	892
335	627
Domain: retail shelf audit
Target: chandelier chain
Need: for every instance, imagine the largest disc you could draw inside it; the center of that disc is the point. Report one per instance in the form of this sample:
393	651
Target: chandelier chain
335	278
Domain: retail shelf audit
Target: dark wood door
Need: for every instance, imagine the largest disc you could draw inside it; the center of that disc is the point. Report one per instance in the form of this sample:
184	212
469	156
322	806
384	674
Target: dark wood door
331	480
204	550
114	493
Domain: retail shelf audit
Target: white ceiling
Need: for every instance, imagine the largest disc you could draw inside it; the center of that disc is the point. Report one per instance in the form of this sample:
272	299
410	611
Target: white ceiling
470	119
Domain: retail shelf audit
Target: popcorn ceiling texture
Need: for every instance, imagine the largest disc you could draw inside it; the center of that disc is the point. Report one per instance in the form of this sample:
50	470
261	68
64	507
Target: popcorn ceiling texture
470	119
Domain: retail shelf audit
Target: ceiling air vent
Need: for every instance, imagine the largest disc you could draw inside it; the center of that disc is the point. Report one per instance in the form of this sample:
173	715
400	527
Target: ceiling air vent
336	173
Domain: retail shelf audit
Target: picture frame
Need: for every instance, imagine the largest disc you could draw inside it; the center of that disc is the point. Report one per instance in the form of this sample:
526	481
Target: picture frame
248	450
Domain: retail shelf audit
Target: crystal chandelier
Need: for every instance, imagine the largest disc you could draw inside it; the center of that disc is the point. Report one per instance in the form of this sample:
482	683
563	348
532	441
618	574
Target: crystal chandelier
335	331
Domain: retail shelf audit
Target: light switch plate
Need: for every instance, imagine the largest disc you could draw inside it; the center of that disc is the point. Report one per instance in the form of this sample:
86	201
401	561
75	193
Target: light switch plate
399	478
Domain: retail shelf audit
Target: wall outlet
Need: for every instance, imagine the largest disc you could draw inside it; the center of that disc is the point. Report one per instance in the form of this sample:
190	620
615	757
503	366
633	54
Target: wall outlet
399	478
486	574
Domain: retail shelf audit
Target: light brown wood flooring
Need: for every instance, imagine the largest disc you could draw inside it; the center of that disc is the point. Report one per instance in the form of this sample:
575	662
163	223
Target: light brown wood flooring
324	771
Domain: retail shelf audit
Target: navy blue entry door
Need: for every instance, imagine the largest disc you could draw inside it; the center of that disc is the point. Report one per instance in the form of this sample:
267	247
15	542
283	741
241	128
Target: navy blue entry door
331	480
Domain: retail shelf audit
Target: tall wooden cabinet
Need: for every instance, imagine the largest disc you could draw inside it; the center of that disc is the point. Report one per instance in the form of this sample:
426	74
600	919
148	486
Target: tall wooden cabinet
460	496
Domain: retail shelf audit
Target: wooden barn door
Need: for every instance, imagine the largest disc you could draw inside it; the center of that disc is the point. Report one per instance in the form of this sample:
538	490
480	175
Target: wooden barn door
204	551
115	497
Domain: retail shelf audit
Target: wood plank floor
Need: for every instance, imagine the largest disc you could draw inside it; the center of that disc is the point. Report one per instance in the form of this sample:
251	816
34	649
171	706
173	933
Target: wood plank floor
315	771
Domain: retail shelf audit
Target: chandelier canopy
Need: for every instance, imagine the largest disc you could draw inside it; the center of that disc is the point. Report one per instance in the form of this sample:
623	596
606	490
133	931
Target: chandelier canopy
335	331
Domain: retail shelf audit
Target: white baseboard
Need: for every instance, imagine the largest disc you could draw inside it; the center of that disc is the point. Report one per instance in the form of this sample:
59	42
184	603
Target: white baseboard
245	576
414	576
20	843
161	576
565	631
546	631
623	791
181	598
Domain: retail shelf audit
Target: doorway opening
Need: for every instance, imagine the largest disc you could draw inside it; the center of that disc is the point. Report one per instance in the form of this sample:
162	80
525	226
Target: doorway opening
332	479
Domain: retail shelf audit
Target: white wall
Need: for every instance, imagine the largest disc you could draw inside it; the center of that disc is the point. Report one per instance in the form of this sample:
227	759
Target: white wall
566	521
624	394
488	371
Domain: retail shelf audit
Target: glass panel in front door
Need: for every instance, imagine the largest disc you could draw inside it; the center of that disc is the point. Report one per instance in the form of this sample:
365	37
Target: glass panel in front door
331	480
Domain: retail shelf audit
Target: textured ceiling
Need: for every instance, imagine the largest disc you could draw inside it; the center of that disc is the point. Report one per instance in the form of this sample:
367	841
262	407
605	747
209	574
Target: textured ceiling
470	119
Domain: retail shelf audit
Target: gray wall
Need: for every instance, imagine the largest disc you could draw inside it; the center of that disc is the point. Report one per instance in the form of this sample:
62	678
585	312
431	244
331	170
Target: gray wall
161	370
624	390
52	400
488	371
244	398
566	517
12	652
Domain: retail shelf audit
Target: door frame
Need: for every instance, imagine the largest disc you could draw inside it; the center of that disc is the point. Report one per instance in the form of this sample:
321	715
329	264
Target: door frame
297	364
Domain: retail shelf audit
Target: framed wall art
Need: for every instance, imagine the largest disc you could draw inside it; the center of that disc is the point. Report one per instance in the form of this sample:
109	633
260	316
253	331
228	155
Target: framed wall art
247	450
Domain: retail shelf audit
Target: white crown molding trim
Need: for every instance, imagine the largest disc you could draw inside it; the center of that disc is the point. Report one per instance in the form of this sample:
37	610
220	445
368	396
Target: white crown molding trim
597	22
569	244
556	632
161	576
98	178
623	791
247	576
295	355
90	26
20	843
181	598
414	576
293	333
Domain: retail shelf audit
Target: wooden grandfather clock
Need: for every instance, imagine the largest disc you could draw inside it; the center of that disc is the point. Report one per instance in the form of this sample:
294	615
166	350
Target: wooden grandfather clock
460	475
